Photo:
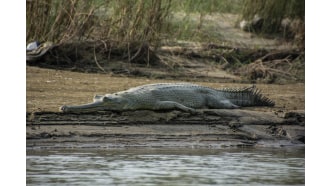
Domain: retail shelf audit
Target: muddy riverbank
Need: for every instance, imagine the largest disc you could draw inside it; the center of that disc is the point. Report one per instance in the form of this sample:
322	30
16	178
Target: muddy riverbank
205	129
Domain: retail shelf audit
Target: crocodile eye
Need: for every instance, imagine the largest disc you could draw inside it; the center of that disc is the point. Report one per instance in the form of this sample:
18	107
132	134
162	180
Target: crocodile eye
110	99
105	98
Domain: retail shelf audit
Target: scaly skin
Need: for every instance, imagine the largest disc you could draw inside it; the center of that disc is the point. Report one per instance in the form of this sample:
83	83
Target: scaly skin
167	96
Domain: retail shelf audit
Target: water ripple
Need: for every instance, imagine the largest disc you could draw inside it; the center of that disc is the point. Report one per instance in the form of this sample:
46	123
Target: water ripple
166	167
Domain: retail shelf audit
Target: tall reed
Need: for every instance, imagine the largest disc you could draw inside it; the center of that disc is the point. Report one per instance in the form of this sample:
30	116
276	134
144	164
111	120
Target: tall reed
58	20
120	20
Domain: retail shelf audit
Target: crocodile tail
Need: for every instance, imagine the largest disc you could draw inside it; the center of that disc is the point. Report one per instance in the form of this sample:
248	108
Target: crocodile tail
249	96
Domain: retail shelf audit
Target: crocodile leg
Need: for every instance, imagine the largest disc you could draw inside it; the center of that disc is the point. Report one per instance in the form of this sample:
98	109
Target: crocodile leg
213	102
168	105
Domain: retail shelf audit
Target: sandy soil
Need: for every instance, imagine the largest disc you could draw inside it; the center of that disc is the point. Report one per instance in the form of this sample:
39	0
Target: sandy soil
47	89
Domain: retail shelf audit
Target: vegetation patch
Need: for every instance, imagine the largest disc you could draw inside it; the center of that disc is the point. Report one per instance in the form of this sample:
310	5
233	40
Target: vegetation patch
118	36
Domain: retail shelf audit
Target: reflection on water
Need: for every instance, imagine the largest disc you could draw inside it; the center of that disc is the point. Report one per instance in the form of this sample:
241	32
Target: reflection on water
252	166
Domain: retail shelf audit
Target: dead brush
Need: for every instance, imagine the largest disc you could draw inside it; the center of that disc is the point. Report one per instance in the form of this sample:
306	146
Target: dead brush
268	71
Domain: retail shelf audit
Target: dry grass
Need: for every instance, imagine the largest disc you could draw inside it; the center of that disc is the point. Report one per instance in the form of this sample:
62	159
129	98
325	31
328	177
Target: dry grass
120	20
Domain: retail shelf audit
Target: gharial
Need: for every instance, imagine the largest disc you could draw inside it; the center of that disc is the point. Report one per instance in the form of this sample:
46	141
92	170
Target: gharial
166	96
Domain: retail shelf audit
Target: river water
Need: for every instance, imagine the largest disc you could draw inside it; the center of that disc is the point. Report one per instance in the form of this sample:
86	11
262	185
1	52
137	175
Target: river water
158	166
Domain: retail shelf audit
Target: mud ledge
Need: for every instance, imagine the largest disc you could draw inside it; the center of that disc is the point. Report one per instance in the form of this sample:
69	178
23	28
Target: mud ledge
205	129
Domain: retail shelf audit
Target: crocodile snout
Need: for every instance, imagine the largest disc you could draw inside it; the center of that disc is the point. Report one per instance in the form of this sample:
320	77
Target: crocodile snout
63	108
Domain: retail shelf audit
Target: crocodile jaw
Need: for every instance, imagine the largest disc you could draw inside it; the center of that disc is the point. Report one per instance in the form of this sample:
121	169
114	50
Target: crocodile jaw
90	107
